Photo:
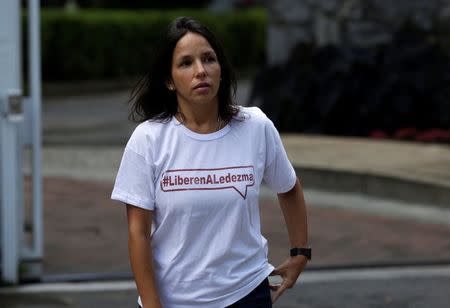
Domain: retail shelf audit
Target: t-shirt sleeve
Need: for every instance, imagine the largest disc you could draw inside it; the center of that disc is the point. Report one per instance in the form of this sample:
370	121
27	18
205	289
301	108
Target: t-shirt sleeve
279	174
134	181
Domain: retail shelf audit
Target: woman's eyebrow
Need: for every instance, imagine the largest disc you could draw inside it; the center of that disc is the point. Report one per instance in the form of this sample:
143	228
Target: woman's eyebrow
209	53
189	56
184	57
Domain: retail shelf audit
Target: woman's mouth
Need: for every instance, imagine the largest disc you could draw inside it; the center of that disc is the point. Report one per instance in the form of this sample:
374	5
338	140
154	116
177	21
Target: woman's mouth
203	86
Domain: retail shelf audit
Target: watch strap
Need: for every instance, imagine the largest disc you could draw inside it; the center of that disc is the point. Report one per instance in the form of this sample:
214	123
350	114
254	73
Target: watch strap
301	252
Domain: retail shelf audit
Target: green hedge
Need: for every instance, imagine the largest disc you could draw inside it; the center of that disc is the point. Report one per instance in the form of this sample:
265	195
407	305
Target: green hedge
111	44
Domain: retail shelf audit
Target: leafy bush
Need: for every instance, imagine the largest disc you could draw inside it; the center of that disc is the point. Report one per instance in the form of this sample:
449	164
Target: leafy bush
126	4
399	89
112	44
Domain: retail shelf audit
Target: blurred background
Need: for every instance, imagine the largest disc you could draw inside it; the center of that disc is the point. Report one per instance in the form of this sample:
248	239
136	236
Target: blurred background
359	90
352	68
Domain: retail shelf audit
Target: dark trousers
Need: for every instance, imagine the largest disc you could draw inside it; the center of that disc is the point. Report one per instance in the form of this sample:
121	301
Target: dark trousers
258	298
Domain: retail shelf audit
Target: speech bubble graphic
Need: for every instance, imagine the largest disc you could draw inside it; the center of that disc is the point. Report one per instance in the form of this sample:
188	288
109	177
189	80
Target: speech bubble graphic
238	178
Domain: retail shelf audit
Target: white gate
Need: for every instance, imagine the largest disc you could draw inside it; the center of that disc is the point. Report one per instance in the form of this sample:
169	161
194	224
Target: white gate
20	129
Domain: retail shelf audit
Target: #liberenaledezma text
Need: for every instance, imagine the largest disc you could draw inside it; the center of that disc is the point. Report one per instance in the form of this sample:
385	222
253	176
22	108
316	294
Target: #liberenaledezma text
238	178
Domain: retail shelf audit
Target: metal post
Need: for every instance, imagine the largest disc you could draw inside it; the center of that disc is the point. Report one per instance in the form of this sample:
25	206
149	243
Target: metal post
34	55
10	241
30	137
10	118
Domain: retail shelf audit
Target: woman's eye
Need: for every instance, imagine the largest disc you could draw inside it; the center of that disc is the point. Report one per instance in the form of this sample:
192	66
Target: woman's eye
185	63
210	59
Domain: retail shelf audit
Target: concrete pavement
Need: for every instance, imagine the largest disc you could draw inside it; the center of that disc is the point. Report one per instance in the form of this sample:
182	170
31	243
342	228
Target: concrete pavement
399	288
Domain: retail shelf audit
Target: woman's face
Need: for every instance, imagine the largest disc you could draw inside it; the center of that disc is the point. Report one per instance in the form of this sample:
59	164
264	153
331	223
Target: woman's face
195	71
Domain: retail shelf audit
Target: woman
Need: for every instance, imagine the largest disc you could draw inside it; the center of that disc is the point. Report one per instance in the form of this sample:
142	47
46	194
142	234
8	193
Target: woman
192	170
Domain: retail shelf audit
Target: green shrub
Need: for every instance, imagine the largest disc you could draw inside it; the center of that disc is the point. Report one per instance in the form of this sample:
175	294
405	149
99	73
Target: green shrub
112	44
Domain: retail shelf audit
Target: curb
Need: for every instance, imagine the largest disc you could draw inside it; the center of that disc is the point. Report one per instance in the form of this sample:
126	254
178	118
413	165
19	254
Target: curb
379	186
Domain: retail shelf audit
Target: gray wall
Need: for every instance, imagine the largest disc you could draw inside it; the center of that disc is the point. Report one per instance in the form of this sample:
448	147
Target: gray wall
355	22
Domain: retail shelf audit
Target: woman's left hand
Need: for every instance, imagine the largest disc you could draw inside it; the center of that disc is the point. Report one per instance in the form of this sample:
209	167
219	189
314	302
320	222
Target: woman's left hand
289	272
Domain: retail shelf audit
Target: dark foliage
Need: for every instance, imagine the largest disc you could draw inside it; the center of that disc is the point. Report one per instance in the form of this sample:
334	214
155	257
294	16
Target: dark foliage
117	44
127	4
360	92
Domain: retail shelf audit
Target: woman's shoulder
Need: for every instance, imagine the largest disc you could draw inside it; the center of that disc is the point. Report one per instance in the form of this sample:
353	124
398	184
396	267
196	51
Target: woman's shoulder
251	115
149	128
146	133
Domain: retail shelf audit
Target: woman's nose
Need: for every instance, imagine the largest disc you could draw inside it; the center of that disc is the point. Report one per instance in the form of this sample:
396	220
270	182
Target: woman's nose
200	69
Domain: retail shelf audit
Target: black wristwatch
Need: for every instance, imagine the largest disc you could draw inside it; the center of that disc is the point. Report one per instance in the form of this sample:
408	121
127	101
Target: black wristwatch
301	252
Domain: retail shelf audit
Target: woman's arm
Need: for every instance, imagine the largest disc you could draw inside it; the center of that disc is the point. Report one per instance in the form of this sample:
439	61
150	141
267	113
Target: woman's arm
141	259
293	207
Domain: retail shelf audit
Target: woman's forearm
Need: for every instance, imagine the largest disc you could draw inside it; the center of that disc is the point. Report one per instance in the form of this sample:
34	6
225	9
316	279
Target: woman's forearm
141	263
293	207
292	204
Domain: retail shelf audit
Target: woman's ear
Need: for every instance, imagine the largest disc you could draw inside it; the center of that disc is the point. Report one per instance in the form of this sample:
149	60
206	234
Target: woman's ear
170	86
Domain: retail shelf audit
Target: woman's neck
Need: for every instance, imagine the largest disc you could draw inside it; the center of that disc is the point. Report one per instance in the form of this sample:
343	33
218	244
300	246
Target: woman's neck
201	119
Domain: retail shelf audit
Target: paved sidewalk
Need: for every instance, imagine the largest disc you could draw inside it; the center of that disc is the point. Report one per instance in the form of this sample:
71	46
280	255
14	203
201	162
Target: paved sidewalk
394	287
408	171
95	235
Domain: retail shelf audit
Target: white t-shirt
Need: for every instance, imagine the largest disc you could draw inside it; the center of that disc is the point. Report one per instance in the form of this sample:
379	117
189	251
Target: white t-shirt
203	190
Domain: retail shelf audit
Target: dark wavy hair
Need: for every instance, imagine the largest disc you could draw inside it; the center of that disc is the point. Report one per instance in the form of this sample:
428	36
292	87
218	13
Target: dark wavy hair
150	98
